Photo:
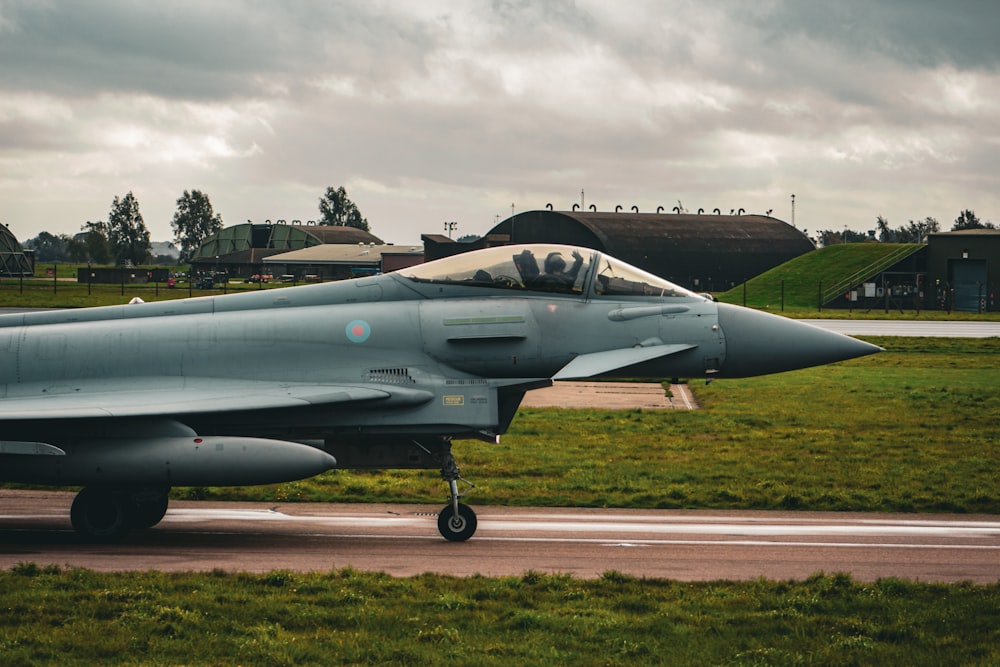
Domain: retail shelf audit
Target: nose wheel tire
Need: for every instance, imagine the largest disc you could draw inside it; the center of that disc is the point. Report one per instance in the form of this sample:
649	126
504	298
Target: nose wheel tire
457	527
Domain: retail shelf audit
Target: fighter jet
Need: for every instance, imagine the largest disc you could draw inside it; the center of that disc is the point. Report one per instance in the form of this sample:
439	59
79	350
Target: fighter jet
379	372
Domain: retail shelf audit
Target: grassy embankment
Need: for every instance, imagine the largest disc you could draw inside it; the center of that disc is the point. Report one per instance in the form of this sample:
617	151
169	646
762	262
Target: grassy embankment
806	275
799	283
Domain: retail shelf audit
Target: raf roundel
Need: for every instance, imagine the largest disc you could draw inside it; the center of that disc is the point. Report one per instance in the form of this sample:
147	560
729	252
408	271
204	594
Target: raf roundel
358	331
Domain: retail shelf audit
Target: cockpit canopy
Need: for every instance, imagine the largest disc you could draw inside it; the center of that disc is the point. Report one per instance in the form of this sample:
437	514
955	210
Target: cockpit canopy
546	268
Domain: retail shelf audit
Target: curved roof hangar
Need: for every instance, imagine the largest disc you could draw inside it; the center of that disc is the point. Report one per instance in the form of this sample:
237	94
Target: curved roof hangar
708	252
277	238
13	261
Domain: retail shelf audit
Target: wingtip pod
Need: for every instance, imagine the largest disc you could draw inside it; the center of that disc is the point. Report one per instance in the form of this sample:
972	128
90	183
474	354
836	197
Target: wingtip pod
759	343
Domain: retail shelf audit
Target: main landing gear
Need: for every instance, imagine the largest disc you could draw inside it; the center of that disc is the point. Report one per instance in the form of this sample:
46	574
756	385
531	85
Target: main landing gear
456	522
105	514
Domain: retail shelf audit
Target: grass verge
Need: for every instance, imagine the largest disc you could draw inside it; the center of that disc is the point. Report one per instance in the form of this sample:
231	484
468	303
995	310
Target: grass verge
349	617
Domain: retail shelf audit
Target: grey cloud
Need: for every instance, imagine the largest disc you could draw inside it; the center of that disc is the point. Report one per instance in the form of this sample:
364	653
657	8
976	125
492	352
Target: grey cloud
192	50
925	33
492	99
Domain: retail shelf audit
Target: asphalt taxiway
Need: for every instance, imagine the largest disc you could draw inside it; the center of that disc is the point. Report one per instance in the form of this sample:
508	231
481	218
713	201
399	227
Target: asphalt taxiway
402	540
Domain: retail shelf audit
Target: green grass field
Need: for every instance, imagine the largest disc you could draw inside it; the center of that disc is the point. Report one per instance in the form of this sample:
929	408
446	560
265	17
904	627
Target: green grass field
64	293
79	617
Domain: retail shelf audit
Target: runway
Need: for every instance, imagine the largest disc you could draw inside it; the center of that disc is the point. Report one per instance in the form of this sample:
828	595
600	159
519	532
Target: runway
402	540
919	328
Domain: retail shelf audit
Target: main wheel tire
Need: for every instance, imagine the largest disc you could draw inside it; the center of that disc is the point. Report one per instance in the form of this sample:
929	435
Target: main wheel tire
457	527
146	509
100	515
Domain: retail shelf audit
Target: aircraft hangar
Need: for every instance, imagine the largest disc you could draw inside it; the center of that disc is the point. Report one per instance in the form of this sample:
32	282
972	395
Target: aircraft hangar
337	261
13	260
240	250
704	252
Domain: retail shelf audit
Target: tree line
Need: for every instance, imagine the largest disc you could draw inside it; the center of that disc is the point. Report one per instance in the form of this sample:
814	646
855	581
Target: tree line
123	238
914	232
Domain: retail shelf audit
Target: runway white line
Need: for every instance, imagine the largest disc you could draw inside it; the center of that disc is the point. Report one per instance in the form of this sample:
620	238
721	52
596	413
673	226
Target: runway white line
740	520
199	515
684	394
619	525
642	542
743	529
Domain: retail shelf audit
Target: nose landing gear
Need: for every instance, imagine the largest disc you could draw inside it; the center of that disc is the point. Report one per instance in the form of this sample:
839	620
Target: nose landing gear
456	522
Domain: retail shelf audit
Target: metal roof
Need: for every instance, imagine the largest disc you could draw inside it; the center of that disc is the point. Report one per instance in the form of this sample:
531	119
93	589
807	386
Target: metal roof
8	243
342	253
239	238
13	261
622	230
968	232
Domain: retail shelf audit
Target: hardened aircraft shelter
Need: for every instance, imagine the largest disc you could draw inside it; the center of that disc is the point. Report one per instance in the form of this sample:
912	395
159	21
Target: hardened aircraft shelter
704	252
13	260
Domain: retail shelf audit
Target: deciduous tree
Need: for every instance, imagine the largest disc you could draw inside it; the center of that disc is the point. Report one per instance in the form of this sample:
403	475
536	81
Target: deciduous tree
193	222
914	232
127	233
338	210
95	242
49	247
967	219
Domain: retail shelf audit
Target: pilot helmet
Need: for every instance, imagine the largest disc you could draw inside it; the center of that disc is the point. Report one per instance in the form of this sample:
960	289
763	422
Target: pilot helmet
554	262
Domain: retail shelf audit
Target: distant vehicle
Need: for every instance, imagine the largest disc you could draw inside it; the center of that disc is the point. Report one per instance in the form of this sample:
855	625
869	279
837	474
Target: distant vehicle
380	372
287	278
260	278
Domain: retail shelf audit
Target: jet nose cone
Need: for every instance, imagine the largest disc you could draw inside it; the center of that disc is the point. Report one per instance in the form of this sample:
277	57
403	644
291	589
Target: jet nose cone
759	343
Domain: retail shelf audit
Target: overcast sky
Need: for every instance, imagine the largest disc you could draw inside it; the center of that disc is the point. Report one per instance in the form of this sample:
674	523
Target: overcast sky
443	110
